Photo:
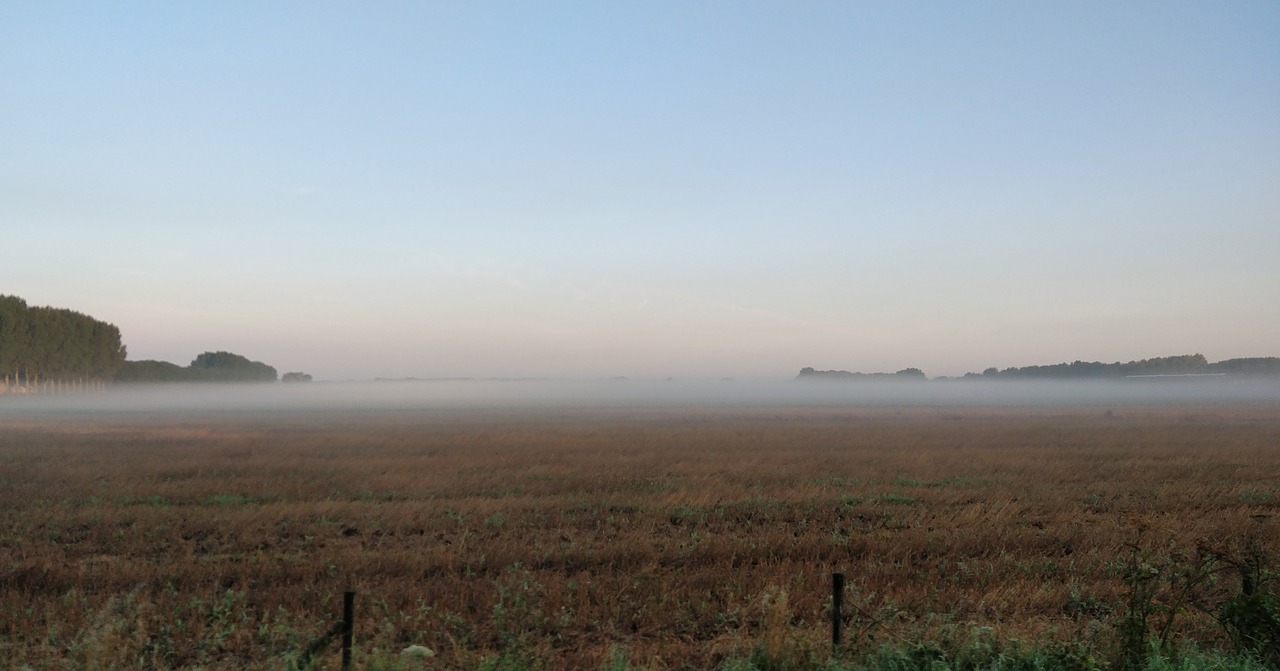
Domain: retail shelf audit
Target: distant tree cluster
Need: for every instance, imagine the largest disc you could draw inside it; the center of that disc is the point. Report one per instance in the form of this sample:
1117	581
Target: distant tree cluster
228	367
1257	365
1186	364
208	367
45	345
904	374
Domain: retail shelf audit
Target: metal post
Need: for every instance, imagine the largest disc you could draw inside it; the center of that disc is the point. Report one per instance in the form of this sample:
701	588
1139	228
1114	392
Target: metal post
837	608
348	627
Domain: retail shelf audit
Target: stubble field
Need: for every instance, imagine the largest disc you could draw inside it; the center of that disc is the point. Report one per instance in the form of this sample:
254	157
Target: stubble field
663	538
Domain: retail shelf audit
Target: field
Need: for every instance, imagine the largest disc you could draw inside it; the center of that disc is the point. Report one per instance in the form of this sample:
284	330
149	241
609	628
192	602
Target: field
584	538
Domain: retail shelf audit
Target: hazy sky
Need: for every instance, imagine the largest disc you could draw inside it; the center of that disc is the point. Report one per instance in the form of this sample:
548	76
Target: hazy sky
589	189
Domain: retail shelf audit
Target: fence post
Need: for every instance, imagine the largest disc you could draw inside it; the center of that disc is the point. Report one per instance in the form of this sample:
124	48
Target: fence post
348	626
837	608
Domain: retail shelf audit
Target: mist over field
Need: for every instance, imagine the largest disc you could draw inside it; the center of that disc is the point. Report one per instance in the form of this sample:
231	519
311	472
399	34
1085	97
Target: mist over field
499	395
309	299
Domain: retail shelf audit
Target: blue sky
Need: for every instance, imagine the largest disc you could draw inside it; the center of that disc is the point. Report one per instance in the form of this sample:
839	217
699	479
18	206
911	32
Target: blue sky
591	189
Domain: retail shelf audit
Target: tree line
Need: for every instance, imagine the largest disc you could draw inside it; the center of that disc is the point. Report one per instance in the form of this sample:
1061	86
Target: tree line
55	348
207	367
41	346
904	374
1185	364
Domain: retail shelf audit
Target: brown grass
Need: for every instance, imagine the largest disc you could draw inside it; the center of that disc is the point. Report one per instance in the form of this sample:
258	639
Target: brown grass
678	536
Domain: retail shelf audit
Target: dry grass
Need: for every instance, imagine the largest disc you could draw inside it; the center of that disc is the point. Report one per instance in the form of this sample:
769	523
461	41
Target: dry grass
680	536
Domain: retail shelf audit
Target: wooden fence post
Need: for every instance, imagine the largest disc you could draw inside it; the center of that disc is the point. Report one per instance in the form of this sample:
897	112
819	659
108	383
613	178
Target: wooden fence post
348	626
837	608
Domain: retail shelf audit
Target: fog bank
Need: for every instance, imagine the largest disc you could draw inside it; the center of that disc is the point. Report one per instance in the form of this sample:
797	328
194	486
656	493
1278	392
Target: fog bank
569	394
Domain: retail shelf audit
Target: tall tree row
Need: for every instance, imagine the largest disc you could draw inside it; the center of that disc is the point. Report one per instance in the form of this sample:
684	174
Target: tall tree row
40	345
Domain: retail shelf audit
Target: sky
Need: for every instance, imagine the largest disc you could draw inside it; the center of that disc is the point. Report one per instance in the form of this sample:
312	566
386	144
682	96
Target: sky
647	189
